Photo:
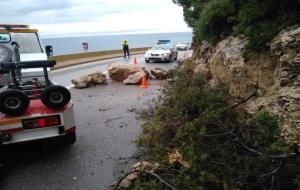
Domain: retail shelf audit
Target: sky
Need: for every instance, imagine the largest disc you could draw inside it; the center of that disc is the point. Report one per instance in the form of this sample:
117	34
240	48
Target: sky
56	18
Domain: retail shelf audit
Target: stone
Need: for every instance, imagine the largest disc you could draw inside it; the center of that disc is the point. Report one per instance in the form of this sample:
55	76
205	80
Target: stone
274	72
203	70
159	73
298	78
135	78
120	72
81	82
125	184
297	83
98	78
284	81
85	81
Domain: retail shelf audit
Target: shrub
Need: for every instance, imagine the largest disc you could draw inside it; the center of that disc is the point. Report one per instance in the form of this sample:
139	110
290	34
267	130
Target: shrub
258	20
224	147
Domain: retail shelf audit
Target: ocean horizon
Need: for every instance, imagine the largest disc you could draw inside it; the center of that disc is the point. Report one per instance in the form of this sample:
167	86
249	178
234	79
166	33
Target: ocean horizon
72	45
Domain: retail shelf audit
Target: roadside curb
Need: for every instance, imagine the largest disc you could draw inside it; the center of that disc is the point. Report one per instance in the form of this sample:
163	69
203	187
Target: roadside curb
62	65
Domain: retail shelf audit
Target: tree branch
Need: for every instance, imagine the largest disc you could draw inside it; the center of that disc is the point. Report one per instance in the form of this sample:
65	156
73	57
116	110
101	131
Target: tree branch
146	172
242	102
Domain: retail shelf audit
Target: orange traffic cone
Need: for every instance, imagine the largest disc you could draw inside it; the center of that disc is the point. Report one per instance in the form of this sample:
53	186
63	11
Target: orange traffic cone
144	82
135	61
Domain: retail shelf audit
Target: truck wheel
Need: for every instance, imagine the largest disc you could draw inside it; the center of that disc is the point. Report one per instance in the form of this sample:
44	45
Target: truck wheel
55	96
13	102
70	138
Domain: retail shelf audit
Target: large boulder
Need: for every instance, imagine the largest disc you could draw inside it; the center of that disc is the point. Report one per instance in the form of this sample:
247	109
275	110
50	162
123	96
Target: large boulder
85	81
135	78
120	72
98	78
159	73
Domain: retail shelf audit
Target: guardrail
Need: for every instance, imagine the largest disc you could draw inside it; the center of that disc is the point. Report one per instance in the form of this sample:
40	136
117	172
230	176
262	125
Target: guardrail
81	58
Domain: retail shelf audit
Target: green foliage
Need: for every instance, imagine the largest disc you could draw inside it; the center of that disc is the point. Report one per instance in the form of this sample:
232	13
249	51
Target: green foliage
224	147
215	19
258	20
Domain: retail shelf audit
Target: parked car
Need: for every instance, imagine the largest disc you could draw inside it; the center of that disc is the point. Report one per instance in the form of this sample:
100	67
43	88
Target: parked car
163	42
161	52
181	47
184	47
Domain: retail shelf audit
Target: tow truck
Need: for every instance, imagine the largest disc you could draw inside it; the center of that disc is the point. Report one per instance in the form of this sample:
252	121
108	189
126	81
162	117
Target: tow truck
32	107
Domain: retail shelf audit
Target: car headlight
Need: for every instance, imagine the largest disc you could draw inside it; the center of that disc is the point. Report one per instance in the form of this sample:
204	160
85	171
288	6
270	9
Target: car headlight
5	54
164	54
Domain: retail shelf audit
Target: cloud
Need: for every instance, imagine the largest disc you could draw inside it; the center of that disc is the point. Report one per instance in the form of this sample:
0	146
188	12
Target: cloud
17	8
77	17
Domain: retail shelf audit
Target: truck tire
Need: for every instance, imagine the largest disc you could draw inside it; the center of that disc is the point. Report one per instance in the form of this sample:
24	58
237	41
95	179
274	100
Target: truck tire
13	102
55	96
70	138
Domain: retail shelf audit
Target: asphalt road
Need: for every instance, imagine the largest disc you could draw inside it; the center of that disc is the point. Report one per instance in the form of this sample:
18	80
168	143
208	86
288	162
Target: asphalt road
64	76
107	125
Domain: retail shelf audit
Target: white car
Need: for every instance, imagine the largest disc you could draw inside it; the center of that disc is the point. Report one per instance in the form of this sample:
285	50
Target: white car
183	47
162	53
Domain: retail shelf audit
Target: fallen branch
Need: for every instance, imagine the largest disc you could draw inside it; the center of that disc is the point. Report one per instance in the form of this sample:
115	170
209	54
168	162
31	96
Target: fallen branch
110	120
146	172
272	172
258	153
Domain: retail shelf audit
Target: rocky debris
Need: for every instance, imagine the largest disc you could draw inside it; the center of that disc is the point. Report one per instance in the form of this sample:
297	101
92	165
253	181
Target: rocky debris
120	72
134	173
135	78
92	79
274	75
286	48
159	73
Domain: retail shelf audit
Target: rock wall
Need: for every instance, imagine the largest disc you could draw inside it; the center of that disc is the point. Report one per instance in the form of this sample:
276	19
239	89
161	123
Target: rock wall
273	75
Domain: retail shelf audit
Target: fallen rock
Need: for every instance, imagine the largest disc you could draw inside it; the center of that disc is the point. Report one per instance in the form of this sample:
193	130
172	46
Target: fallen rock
85	81
81	82
134	78
134	173
159	73
120	72
98	78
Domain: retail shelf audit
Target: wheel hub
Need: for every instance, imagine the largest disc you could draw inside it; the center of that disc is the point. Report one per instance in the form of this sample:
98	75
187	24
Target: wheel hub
12	102
56	97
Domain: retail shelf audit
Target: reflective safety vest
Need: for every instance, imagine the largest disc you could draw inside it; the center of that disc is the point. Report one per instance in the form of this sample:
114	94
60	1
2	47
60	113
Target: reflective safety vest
125	42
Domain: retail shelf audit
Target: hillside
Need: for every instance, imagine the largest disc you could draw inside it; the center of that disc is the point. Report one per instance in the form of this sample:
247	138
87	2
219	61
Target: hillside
231	117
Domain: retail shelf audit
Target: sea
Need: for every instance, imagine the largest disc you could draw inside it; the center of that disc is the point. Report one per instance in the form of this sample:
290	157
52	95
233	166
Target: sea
71	45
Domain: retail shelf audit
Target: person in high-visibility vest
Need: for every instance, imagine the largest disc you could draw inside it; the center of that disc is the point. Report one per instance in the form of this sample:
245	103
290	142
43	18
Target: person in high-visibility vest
126	48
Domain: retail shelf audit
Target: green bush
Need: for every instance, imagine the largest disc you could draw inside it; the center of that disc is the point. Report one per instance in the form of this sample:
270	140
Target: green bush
258	20
224	147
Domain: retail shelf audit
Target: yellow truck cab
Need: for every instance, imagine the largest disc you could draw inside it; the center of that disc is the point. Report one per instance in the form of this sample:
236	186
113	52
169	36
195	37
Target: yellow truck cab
32	107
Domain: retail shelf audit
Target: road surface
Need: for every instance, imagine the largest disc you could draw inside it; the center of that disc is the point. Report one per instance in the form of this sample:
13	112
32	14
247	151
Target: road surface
107	125
63	76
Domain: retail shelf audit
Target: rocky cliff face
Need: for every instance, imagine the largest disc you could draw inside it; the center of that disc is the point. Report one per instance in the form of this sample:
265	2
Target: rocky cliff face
273	75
